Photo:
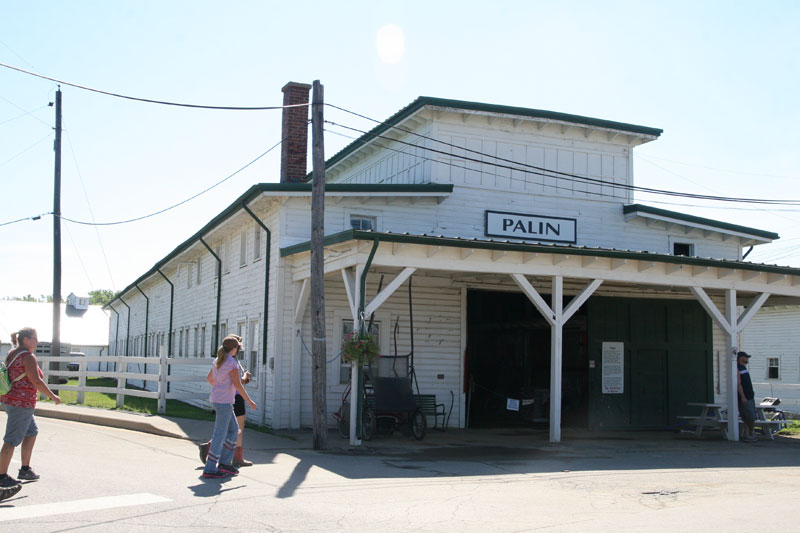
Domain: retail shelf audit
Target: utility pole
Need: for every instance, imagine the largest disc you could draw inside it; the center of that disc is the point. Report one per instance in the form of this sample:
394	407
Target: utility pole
55	346
319	352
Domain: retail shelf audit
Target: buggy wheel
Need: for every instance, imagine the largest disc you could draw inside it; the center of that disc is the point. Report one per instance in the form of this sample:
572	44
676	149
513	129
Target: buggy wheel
343	420
369	422
418	424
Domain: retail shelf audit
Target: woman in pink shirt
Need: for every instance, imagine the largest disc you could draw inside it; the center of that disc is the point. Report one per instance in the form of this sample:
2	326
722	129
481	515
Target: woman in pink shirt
225	382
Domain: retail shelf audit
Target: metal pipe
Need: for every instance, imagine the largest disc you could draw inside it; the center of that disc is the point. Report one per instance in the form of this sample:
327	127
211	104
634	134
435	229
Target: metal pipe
116	337
169	333
128	330
146	325
266	283
219	292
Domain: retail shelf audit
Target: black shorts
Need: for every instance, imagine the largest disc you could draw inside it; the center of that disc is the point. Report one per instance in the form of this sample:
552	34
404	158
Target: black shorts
238	405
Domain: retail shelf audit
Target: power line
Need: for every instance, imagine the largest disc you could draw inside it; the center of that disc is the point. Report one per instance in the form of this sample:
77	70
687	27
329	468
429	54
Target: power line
719	169
25	150
148	100
23	115
91	213
181	202
34	217
561	175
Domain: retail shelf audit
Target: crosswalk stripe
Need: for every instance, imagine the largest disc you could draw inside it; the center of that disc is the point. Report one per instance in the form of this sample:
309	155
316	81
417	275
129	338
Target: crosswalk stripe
78	506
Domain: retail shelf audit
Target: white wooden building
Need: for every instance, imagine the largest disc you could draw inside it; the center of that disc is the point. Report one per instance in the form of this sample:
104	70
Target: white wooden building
773	339
530	264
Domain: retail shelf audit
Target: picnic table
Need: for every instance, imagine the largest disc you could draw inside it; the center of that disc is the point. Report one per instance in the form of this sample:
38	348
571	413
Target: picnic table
715	416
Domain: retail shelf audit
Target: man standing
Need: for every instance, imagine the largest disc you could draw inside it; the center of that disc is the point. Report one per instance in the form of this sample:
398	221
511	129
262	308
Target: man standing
747	403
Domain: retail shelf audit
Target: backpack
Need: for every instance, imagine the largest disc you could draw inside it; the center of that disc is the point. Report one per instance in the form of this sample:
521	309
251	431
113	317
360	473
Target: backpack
5	383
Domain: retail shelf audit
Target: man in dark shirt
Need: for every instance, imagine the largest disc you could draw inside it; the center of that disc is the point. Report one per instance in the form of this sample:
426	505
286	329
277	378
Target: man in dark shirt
747	403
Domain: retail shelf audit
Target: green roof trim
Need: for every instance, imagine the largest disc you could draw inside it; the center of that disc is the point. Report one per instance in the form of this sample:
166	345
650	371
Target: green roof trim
385	188
423	101
639	208
259	188
455	242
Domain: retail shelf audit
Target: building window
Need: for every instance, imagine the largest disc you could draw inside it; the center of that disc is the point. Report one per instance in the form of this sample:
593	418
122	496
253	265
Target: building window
186	345
257	244
199	264
180	343
362	222
683	248
226	257
189	276
252	346
243	248
203	341
213	336
773	368
223	332
196	341
347	329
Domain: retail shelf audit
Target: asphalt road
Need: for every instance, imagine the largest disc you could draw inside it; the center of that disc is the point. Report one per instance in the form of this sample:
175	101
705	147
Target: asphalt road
106	479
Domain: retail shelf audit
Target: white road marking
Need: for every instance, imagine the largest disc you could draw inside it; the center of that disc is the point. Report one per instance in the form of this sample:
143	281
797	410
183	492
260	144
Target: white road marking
78	506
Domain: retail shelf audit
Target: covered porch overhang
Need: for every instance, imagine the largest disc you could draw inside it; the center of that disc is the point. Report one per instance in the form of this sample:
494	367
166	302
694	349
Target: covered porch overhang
583	270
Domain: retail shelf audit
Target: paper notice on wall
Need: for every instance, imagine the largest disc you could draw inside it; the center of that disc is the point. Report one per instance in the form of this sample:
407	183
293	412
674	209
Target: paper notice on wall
512	404
613	367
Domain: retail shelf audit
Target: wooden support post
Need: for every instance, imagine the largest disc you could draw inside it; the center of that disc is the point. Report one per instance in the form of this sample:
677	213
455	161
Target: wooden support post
81	381
162	382
122	369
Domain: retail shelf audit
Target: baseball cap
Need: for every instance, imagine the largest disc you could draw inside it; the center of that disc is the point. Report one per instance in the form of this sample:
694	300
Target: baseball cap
743	354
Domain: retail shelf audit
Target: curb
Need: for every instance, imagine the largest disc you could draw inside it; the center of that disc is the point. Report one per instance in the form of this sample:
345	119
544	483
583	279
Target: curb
103	419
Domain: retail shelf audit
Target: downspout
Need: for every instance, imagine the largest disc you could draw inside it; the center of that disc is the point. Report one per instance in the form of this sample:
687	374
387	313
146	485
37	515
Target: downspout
747	253
219	291
127	339
128	331
116	336
361	303
146	326
169	333
266	315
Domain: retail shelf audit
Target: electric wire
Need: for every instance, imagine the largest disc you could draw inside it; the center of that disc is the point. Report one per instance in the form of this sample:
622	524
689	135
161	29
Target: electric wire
149	100
136	219
730	171
49	126
550	173
33	217
91	214
26	149
24	114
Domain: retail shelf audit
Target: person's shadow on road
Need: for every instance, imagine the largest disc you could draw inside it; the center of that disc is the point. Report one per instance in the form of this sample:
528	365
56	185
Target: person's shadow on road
208	488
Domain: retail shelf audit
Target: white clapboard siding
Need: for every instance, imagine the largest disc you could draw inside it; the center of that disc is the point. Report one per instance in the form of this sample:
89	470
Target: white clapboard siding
775	332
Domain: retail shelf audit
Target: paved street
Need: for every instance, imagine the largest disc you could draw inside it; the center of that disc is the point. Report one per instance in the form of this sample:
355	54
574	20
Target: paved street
97	478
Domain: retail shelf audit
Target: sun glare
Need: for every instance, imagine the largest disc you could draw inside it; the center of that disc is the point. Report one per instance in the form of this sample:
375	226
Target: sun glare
391	44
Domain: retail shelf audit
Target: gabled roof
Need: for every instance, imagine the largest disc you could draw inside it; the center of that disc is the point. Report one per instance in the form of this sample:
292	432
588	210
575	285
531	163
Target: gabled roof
644	211
463	105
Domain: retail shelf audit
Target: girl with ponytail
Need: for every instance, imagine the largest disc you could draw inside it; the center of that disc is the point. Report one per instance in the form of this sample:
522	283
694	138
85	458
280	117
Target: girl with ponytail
225	383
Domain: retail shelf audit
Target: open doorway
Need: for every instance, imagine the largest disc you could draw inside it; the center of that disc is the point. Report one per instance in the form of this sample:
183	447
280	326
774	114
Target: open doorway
508	357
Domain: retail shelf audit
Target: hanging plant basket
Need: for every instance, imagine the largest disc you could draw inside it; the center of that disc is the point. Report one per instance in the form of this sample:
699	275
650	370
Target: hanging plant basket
360	348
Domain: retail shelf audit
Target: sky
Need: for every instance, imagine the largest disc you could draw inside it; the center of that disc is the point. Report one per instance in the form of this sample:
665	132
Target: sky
721	78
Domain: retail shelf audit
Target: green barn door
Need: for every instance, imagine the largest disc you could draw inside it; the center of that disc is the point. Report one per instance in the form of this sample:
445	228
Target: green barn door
667	361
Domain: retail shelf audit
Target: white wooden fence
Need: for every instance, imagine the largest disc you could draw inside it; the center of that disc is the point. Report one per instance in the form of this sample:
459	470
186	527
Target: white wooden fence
122	375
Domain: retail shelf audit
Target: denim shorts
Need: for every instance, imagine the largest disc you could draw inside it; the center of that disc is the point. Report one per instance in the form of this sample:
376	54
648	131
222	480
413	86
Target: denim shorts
20	424
747	410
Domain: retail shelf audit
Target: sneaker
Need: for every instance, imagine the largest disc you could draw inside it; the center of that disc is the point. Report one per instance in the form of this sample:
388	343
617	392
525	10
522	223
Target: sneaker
750	438
8	492
214	475
8	481
228	469
204	451
27	474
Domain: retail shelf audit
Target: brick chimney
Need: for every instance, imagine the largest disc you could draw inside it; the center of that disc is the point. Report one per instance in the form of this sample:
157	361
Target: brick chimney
294	150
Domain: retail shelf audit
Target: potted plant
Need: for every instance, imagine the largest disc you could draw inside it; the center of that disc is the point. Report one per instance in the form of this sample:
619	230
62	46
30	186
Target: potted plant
360	348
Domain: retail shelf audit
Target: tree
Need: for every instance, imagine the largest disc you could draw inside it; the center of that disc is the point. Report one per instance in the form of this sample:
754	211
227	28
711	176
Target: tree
101	296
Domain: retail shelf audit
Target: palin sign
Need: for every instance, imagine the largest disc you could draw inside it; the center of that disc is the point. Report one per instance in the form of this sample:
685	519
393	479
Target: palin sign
531	227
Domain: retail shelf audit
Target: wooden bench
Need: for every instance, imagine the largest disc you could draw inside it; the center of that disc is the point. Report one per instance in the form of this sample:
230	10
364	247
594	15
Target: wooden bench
427	402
